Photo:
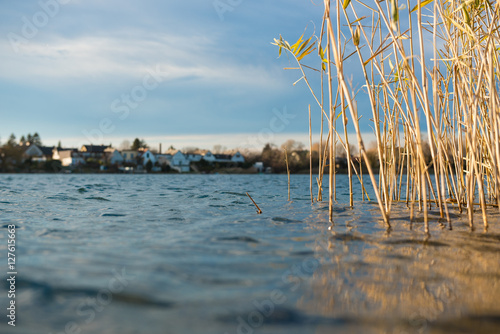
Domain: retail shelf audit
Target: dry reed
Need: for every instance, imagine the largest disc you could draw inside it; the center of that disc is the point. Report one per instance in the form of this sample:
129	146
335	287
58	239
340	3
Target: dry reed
287	173
430	76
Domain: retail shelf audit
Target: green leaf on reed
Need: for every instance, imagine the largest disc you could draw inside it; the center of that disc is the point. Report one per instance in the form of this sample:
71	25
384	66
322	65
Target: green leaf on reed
297	44
306	52
340	114
346	3
302	46
466	16
422	4
394	14
324	61
356	36
279	44
361	18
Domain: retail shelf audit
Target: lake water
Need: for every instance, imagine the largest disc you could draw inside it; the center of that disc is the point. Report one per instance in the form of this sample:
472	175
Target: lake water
189	254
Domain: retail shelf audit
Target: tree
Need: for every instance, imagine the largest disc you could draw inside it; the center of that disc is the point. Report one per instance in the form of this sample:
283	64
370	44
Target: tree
217	149
12	153
292	145
138	143
274	158
190	149
22	141
59	145
36	140
149	166
125	145
341	152
32	139
12	141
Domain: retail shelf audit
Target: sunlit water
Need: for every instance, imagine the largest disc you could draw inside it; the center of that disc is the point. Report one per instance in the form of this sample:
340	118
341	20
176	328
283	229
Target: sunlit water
189	254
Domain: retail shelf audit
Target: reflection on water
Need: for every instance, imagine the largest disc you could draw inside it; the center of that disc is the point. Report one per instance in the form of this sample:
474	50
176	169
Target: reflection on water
188	254
402	281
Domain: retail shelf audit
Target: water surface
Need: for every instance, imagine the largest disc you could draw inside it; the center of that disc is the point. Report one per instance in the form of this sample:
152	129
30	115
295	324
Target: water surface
189	254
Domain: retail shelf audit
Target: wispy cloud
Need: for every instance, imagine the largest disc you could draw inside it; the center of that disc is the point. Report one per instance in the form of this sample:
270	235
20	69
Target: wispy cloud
127	56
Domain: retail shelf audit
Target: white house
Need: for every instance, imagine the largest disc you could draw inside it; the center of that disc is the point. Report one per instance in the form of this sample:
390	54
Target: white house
129	156
176	160
68	157
193	157
208	156
237	157
148	156
259	166
164	159
180	162
39	153
116	158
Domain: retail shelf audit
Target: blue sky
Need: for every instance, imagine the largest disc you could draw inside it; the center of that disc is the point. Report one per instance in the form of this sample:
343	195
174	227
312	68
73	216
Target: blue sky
173	72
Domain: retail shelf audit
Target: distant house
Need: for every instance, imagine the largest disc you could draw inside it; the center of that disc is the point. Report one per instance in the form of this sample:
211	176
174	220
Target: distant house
237	157
148	156
176	160
164	159
222	157
116	158
208	156
39	153
193	157
180	162
57	150
68	157
94	151
259	166
130	156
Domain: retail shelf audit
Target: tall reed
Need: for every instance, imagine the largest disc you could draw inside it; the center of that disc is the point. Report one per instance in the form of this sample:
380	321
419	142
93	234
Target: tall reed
430	75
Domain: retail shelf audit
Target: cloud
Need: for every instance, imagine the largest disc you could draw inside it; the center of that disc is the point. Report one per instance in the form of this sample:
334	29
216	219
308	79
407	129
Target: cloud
127	56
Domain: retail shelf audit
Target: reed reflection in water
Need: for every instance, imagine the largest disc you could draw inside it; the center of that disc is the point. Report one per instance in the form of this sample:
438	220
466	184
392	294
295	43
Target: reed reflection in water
402	281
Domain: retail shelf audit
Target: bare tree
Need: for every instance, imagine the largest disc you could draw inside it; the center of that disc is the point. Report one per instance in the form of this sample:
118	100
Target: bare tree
125	145
217	149
292	145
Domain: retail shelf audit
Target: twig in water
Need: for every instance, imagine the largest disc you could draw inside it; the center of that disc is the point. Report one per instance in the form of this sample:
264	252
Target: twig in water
259	211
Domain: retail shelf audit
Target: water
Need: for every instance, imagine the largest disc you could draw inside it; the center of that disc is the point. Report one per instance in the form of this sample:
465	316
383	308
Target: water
189	254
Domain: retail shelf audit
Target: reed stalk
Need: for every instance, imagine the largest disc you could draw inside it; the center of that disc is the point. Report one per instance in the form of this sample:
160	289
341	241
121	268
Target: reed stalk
287	173
430	76
310	157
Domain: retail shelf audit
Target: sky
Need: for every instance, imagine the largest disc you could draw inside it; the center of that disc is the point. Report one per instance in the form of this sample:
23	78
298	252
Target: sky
193	73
